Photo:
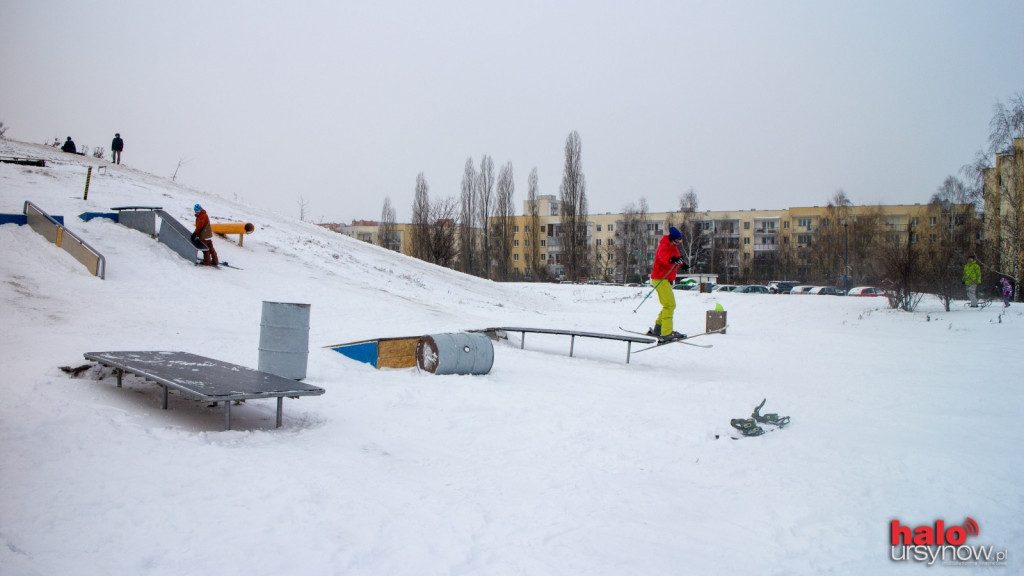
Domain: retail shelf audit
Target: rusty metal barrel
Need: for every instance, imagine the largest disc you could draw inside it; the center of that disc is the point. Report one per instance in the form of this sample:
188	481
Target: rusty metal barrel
458	353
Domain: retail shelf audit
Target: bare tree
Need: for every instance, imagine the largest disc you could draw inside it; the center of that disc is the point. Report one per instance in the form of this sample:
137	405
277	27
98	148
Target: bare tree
830	240
468	241
537	272
174	176
694	246
419	229
504	221
303	207
1006	125
1004	190
902	262
3	131
573	210
443	232
387	233
484	202
632	258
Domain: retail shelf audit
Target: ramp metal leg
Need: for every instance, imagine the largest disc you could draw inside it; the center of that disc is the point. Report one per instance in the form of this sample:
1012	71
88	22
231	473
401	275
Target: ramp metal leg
629	349
522	341
280	409
227	414
119	373
572	344
165	395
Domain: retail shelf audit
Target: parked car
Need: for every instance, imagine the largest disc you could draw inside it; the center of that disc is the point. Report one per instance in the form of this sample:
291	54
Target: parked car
801	289
866	291
683	287
781	286
825	291
752	289
724	288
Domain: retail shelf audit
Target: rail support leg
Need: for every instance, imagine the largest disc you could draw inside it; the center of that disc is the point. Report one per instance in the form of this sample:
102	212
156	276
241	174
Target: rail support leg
227	414
280	409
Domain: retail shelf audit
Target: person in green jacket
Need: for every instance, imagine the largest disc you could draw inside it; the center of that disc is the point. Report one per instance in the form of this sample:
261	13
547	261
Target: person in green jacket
972	277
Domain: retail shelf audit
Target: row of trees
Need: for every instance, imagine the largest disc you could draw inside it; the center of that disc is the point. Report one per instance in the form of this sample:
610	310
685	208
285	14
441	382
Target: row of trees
476	232
849	246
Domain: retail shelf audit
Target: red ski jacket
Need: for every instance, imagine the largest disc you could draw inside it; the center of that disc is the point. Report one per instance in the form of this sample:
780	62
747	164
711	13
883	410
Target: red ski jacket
663	269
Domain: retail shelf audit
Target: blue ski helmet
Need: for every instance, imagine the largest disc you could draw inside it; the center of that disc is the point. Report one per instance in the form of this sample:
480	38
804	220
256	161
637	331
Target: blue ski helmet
674	233
197	208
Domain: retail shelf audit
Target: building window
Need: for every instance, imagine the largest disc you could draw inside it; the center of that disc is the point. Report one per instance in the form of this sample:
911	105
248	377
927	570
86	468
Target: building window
597	242
746	225
804	223
932	221
932	238
598	227
914	221
543	242
746	241
515	243
515	257
515	229
785	225
610	229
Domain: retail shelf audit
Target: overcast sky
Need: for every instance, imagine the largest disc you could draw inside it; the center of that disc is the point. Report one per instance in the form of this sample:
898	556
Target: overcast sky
754	104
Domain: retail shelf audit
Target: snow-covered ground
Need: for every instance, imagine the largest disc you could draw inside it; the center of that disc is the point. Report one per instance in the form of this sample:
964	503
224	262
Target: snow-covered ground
548	465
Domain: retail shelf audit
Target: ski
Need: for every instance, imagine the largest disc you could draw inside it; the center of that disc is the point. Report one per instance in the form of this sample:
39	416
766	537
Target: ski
218	265
683	341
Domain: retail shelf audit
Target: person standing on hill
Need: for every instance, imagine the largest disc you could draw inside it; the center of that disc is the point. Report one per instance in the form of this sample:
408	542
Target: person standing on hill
663	276
204	233
116	146
972	277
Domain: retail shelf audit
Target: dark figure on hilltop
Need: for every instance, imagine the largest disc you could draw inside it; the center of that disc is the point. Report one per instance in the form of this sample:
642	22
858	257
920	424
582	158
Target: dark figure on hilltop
116	145
69	146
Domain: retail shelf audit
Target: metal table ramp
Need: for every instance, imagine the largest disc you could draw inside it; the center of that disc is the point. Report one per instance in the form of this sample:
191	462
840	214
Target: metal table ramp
204	378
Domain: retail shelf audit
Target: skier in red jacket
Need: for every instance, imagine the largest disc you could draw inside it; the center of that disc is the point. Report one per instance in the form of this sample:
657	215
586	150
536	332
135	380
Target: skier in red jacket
663	276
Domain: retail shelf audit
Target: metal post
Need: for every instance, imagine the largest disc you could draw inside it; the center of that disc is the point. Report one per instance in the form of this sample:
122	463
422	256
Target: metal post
846	254
280	409
88	175
572	344
165	395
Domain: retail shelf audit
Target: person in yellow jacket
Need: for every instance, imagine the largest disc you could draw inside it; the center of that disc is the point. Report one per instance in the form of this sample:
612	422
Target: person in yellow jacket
972	277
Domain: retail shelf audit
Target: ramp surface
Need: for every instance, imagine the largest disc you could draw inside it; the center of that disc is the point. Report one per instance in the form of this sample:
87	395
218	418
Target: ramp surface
204	378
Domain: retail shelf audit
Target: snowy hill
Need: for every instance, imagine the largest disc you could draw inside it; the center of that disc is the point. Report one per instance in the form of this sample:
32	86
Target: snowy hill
547	465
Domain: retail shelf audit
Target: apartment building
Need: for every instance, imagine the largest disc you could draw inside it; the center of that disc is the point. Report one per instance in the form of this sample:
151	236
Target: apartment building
735	239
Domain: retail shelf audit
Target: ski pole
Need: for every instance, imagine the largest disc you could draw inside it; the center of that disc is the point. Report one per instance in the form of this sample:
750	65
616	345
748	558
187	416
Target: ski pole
671	270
